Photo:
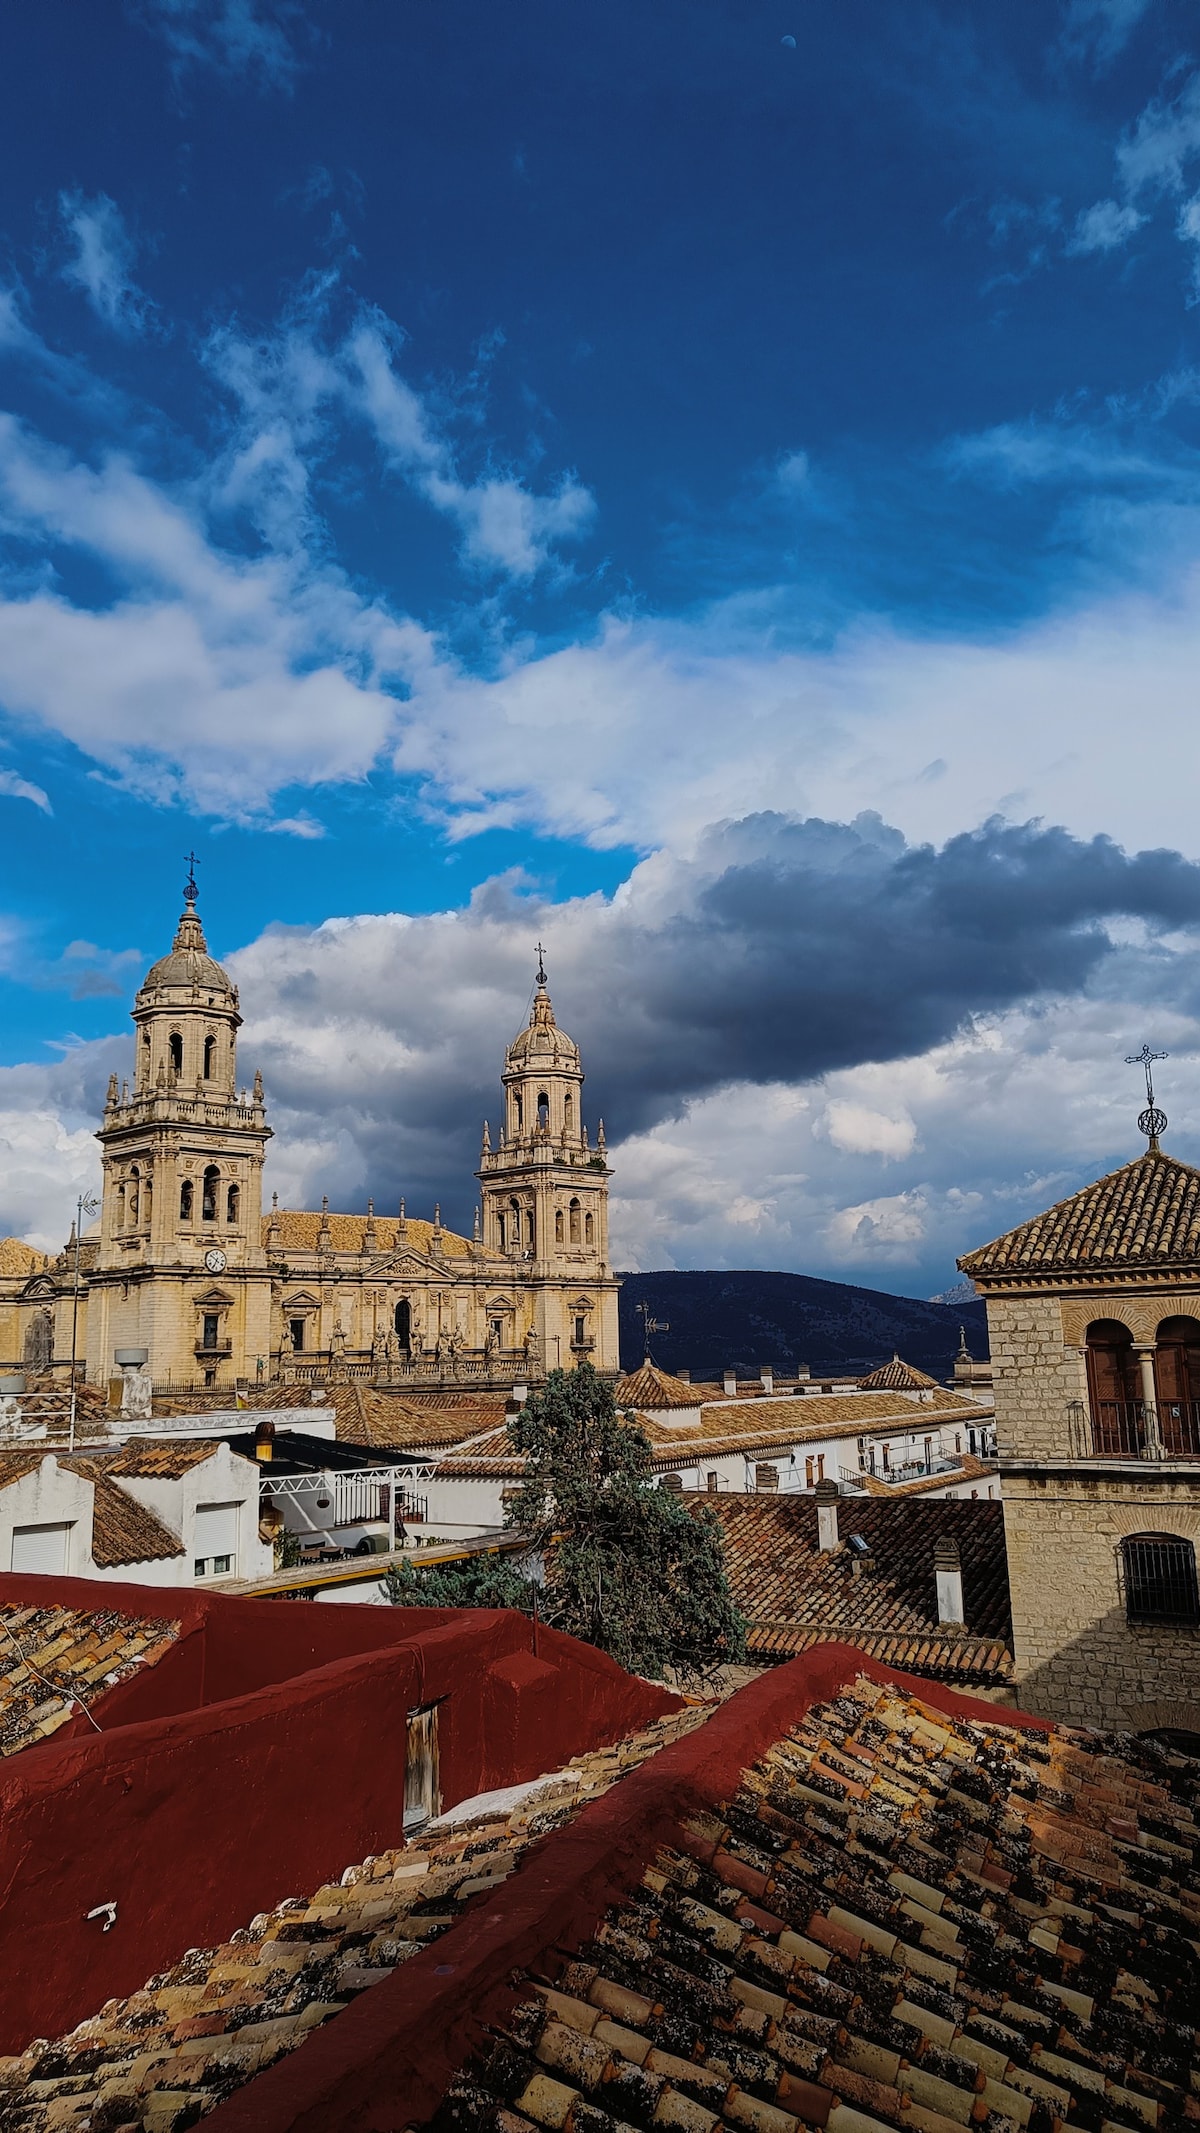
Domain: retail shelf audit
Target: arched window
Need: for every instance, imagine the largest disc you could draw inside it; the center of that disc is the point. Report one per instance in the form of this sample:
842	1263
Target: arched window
133	1197
210	1055
558	1225
1114	1388
1160	1579
402	1321
514	1221
208	1194
120	1218
569	1112
575	1222
589	1230
543	1109
185	1201
518	1109
176	1048
1177	1384
233	1200
503	1231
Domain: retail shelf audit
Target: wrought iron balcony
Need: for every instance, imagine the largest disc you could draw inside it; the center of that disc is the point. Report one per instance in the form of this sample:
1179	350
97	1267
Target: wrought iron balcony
1135	1429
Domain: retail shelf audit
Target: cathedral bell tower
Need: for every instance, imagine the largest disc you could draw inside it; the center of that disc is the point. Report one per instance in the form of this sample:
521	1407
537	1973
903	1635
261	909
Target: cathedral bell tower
545	1194
181	1269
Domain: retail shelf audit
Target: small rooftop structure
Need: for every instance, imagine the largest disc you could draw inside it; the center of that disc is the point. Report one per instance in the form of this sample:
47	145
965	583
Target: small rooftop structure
898	1376
1147	1213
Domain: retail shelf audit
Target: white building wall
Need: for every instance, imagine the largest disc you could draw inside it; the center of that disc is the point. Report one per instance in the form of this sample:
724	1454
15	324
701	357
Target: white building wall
225	1478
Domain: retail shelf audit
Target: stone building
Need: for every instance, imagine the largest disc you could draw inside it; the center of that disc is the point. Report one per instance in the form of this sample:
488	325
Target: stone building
186	1275
1094	1322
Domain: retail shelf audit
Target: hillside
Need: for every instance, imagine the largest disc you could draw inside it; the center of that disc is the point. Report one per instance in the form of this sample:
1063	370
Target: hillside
742	1321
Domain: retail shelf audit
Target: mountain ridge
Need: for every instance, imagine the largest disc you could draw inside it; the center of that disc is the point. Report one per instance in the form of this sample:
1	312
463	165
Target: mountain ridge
744	1320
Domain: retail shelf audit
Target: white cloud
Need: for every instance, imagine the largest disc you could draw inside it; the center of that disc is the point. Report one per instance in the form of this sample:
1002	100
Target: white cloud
17	788
102	261
1104	227
857	1129
1100	29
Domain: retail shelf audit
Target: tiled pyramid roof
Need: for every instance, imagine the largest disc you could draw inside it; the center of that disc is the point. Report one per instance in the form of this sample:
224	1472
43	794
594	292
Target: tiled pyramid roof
898	1376
1145	1215
651	1387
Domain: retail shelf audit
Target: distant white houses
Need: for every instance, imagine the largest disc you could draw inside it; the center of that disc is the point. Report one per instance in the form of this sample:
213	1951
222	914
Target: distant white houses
179	1514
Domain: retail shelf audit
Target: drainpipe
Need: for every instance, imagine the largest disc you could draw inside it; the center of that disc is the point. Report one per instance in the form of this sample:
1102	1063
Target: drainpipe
947	1569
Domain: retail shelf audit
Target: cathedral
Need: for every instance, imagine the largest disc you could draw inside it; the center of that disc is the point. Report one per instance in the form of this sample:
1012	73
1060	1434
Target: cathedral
188	1277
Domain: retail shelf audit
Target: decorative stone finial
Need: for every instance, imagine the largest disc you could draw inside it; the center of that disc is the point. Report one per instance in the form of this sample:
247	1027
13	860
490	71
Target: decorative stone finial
258	1086
111	1098
487	1138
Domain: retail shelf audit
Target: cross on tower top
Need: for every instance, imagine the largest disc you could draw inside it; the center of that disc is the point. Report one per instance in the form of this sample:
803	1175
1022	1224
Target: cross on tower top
541	969
1152	1122
190	891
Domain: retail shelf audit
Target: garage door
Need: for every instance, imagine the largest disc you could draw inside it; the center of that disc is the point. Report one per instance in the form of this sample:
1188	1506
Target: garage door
42	1548
216	1538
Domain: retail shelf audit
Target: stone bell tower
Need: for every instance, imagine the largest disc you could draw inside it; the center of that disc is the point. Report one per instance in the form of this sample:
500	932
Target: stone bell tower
545	1195
180	1269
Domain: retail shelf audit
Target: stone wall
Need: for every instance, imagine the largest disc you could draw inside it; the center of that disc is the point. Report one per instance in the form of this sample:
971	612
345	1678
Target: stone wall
1077	1659
1036	1376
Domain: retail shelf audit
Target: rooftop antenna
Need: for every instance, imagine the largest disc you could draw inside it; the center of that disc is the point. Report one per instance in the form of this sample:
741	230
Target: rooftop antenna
1152	1122
541	969
650	1325
190	891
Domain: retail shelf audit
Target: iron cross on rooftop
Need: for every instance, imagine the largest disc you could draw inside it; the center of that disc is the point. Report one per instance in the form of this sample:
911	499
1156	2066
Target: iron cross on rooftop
1152	1122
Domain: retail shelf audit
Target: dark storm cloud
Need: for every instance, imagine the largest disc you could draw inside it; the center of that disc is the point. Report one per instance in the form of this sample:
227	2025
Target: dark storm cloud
782	950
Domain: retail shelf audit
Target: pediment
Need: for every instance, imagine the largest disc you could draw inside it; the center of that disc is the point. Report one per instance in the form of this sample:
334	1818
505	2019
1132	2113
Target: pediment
215	1297
411	1266
304	1300
500	1303
581	1303
39	1290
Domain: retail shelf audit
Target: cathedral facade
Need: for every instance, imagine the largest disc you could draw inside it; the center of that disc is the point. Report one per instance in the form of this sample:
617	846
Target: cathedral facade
186	1265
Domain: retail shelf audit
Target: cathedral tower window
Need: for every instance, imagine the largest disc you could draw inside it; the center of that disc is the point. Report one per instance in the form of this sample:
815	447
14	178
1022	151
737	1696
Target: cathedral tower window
518	1108
558	1226
296	1329
186	1192
210	1056
208	1195
569	1112
233	1200
402	1321
543	1112
133	1198
176	1045
575	1222
121	1205
589	1230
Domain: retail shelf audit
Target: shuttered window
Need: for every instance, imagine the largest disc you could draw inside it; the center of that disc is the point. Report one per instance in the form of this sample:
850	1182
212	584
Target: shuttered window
215	1541
41	1548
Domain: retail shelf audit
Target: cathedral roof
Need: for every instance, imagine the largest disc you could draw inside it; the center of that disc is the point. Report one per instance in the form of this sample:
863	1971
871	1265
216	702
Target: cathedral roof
653	1388
898	1376
18	1260
297	1230
189	963
543	1043
1144	1215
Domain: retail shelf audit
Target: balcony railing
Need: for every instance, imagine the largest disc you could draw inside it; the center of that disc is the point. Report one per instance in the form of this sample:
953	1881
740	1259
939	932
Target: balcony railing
1135	1429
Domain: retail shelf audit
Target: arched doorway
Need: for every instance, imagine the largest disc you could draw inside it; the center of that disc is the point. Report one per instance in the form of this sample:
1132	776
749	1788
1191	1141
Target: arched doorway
402	1321
1114	1389
1177	1384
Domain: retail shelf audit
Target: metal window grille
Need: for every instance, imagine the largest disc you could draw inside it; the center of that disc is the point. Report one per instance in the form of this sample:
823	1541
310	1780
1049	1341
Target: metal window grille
1160	1580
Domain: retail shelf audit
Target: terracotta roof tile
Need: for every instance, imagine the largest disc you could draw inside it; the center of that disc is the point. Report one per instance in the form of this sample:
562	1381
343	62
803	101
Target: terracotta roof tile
52	1658
898	1376
152	1458
1146	1214
18	1260
123	1531
650	1388
793	1594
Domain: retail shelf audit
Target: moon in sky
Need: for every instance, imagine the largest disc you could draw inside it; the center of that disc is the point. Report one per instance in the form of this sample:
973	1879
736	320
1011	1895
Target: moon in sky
790	41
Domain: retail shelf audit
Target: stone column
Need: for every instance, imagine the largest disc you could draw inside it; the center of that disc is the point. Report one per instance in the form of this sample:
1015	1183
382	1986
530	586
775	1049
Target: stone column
1154	1444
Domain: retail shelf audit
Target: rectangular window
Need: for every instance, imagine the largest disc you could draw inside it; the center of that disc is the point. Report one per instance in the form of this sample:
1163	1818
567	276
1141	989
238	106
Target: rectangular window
712	1484
580	1331
212	1329
214	1542
41	1548
422	1797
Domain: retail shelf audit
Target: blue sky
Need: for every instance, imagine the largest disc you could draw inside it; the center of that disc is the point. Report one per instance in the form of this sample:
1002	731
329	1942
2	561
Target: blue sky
471	471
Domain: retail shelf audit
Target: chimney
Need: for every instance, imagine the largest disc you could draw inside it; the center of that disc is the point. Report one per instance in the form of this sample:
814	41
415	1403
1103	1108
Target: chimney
731	1384
684	1376
768	1380
827	1493
948	1572
264	1443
